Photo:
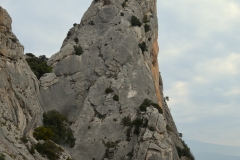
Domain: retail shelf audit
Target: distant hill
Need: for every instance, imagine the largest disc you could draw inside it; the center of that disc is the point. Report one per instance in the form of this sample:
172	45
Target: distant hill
207	151
214	156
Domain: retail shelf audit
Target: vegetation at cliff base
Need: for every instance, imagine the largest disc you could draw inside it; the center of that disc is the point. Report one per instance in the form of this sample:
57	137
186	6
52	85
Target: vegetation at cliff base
55	128
38	64
2	156
50	149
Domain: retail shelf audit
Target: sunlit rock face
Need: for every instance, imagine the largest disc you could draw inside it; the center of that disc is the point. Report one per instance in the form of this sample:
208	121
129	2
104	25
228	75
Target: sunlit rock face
111	50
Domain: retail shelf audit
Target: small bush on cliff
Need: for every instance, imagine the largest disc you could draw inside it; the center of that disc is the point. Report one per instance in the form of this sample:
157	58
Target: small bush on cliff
30	55
2	156
169	128
115	98
147	103
143	46
135	21
147	27
91	23
111	144
106	2
43	133
76	40
145	19
55	128
24	139
78	50
126	121
185	151
108	90
38	65
50	149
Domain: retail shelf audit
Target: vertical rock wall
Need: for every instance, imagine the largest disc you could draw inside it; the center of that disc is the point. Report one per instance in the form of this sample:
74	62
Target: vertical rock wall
19	88
112	58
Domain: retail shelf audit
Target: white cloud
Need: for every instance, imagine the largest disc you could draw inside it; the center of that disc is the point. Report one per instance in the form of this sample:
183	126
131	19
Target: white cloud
205	16
225	65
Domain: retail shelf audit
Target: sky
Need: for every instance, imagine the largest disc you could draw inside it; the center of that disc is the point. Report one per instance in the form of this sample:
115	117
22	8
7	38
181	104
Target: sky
198	59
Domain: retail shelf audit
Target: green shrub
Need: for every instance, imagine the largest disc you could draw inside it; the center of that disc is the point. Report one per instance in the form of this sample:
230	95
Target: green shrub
122	14
128	133
136	130
108	90
91	23
145	124
147	27
130	154
185	151
74	24
50	149
155	105
106	2
111	144
32	150
115	98
14	40
43	133
69	34
143	46
169	128
137	122
78	50
2	156
126	121
24	139
151	128
146	103
145	19
124	4
55	128
38	65
135	21
76	40
180	135
30	55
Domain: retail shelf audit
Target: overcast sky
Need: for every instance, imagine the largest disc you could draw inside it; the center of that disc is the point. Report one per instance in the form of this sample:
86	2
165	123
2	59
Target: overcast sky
199	57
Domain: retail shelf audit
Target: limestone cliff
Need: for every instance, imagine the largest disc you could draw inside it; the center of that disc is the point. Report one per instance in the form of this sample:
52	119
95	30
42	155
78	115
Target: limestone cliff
105	79
20	110
19	105
106	67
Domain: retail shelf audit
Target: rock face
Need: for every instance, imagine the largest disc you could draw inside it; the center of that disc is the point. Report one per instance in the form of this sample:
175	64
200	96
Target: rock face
106	68
19	104
20	110
119	54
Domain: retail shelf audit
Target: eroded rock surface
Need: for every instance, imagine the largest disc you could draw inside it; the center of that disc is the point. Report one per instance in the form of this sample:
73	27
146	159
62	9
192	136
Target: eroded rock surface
20	110
106	67
123	57
19	104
